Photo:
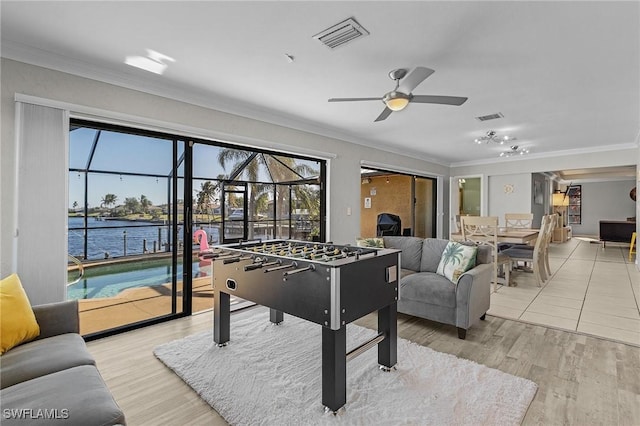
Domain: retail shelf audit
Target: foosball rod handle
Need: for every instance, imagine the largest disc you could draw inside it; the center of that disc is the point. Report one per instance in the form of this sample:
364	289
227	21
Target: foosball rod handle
297	271
279	268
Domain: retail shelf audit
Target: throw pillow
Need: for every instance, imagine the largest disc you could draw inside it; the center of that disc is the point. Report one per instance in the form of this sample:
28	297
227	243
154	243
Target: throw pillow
456	260
17	323
370	242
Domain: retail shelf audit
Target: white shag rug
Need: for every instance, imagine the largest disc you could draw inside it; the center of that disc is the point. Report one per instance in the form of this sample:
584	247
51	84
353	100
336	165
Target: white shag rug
271	375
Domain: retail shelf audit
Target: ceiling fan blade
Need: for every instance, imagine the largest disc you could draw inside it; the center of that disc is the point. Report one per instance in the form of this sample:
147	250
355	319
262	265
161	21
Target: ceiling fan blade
432	99
383	116
353	99
415	77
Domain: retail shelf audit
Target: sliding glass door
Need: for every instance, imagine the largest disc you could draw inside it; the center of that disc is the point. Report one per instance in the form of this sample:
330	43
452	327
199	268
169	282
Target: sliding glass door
146	207
125	225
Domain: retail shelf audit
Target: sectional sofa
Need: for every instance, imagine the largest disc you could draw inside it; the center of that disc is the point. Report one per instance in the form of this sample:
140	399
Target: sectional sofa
53	379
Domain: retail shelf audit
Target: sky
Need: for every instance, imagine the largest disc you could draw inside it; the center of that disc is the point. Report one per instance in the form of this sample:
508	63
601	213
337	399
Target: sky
122	153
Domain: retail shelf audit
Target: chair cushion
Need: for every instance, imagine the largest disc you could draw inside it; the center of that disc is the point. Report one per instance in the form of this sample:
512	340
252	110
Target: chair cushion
432	249
428	287
17	322
456	260
42	357
518	253
411	250
77	396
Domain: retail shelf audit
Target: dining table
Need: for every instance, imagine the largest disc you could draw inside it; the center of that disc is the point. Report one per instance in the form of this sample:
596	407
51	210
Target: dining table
508	235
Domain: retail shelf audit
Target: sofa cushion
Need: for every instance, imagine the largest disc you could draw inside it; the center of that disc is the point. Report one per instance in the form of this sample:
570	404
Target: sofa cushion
411	250
406	272
432	249
77	396
428	287
17	322
456	260
42	357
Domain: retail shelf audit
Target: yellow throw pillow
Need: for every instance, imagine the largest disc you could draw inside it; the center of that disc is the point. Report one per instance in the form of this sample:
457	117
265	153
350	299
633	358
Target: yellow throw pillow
17	322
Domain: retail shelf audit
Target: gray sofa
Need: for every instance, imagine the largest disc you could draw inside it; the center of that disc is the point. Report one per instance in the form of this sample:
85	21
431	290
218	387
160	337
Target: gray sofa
425	294
53	379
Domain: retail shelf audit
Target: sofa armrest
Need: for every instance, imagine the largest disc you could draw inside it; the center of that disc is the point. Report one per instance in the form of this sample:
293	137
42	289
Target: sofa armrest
57	318
473	294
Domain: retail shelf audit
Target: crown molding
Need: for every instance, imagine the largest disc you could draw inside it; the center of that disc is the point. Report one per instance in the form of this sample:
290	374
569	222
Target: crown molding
554	154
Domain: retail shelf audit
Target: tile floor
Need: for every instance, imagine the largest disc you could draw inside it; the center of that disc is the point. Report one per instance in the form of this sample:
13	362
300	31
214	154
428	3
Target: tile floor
592	290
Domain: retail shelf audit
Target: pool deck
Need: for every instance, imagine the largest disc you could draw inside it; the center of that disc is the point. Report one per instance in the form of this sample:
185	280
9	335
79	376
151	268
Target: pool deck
139	304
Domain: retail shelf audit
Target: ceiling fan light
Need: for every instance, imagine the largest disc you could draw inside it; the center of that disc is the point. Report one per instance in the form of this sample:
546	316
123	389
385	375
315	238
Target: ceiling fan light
396	101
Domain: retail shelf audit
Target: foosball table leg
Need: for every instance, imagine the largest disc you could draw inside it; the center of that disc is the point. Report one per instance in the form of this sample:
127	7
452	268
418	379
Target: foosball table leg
221	320
334	368
275	316
388	348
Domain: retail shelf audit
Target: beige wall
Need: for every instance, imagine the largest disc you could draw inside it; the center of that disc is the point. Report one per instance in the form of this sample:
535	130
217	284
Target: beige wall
392	197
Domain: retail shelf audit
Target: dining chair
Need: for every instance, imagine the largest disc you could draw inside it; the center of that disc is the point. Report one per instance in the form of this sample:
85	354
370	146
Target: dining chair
548	236
518	220
535	257
484	230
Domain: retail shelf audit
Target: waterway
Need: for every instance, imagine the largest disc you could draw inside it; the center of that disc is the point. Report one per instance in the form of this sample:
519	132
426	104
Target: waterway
106	238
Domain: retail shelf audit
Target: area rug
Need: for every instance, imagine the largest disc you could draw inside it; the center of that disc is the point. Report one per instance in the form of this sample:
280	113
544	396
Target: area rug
271	375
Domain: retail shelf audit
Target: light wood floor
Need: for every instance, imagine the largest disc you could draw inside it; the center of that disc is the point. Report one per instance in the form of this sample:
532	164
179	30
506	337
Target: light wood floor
582	380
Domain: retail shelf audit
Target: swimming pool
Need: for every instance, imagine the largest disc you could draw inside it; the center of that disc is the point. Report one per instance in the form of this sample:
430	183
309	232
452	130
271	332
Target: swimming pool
110	279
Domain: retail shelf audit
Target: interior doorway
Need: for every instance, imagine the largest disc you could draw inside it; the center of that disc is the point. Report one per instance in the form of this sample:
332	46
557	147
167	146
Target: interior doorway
466	199
409	197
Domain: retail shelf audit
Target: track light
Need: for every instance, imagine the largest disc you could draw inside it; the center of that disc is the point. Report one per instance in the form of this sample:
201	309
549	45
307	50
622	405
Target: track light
492	136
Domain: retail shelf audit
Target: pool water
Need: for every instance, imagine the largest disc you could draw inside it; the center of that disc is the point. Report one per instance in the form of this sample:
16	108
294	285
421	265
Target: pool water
109	280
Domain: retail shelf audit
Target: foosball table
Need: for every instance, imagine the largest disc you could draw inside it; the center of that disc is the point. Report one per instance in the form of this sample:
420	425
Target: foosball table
327	284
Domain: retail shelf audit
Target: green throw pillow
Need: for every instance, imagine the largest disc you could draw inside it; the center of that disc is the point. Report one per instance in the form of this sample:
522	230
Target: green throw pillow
370	242
456	260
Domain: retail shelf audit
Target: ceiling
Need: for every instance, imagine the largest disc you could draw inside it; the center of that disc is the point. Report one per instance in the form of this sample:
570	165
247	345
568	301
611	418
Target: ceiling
564	74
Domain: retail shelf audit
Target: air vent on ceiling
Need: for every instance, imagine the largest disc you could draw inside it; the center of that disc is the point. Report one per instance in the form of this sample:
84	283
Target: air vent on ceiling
490	116
341	34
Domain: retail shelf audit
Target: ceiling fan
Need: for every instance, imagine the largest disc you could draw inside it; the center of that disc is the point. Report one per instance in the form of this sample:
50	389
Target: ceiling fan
399	98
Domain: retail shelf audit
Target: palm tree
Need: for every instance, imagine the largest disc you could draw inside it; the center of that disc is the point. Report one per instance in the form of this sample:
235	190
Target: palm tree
206	197
108	200
247	166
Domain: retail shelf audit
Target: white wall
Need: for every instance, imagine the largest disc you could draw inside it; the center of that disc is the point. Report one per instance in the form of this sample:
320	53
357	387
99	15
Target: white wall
604	201
509	194
344	164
